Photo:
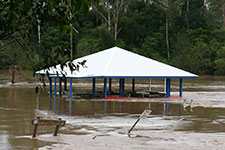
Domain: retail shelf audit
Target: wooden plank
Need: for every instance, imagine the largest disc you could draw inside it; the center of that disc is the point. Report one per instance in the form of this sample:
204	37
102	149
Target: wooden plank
48	122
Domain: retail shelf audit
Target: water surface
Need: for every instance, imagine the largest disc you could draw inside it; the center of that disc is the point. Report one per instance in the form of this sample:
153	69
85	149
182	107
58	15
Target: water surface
104	124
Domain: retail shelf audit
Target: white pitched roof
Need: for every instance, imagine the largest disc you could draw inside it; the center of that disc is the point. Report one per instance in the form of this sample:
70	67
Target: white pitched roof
119	63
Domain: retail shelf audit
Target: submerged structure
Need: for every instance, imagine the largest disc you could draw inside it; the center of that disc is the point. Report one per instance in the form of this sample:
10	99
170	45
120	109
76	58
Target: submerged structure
117	63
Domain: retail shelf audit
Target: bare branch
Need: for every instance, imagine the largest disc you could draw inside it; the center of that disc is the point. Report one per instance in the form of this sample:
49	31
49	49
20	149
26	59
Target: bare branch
161	4
101	14
2	47
119	30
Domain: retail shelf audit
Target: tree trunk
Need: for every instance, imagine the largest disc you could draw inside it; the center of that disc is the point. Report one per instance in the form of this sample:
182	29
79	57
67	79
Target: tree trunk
223	15
167	36
71	38
39	30
106	18
166	5
116	20
115	33
13	71
109	20
187	14
96	20
13	68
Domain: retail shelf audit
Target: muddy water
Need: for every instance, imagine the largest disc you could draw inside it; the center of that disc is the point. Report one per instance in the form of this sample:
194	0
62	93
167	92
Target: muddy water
104	124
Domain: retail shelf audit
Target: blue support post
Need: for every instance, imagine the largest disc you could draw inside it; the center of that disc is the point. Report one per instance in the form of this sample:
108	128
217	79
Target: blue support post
65	84
60	86
50	101
55	90
110	85
167	88
181	87
50	86
105	87
120	88
123	85
71	91
133	86
50	92
93	87
71	94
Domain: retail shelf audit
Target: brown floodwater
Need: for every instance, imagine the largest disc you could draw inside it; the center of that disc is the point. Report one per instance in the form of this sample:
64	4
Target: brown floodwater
103	124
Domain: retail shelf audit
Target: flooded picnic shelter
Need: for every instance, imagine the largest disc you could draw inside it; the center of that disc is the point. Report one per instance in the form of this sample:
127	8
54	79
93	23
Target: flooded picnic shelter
115	63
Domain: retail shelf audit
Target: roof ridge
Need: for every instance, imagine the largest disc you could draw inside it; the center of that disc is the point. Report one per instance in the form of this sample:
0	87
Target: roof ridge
110	61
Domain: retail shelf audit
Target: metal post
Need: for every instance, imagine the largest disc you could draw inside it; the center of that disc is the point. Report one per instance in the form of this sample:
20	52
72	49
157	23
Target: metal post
65	84
71	94
133	86
71	91
60	86
105	87
55	88
134	125
50	86
55	92
110	85
181	87
50	92
120	88
123	85
167	88
165	85
93	87
144	114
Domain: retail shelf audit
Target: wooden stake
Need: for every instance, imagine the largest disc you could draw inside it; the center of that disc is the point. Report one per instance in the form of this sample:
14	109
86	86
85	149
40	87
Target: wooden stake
57	129
35	129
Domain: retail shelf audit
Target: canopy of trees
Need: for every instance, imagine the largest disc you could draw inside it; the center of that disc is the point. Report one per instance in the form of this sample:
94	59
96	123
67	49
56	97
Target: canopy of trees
189	34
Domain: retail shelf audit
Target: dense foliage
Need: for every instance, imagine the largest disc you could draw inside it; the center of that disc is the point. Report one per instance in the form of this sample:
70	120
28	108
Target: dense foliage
189	34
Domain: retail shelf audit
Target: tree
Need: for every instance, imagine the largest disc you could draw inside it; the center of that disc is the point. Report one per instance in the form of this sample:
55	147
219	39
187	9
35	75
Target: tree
141	20
111	11
165	6
220	61
217	11
185	33
21	16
